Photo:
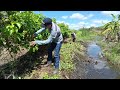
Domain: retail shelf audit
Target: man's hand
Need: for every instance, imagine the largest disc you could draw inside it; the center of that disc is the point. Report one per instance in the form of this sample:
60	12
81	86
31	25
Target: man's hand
32	43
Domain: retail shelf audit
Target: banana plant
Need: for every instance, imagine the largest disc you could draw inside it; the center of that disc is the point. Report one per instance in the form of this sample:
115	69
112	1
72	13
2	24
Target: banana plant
112	28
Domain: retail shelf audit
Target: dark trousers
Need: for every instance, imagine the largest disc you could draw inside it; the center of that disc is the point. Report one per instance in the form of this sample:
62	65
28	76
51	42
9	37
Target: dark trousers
74	39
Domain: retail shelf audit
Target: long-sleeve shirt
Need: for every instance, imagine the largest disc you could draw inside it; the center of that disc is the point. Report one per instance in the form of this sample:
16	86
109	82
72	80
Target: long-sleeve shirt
55	35
73	35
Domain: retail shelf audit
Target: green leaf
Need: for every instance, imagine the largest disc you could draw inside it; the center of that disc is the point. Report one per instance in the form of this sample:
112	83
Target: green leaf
118	17
1	42
18	38
19	25
36	48
7	27
33	49
11	32
113	16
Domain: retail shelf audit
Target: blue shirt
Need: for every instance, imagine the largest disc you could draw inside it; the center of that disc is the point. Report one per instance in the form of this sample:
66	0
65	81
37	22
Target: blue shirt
55	35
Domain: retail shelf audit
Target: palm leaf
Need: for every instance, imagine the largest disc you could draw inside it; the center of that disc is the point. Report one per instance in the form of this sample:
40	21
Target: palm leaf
107	30
114	17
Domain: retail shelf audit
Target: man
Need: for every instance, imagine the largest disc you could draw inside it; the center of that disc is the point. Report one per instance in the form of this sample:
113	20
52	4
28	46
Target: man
73	36
54	40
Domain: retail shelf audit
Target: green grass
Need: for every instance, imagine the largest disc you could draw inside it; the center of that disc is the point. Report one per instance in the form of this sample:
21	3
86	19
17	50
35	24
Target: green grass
67	54
66	61
86	35
111	51
46	76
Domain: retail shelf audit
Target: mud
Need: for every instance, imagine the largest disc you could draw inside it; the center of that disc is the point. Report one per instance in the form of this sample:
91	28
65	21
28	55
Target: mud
93	65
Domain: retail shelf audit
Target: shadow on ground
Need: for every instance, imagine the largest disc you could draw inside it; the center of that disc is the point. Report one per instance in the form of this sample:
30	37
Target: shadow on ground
23	64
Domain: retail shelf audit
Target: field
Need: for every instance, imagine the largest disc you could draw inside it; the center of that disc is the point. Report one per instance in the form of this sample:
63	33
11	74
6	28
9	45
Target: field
19	60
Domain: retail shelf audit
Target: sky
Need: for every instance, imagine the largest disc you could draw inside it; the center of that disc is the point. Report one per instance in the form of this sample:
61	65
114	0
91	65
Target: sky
80	19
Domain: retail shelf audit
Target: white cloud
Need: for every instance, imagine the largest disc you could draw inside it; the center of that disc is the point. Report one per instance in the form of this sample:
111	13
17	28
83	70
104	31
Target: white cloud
74	26
82	23
110	12
78	16
100	21
91	25
60	21
90	15
78	25
71	26
64	17
88	26
63	22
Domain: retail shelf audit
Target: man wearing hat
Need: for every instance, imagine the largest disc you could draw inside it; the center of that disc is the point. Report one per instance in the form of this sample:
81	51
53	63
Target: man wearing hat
54	40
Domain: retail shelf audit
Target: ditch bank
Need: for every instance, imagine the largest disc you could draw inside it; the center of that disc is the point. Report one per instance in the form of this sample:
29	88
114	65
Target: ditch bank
93	65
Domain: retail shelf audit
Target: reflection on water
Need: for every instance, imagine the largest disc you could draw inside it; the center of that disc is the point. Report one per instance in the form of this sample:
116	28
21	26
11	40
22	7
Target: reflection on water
100	70
94	50
101	65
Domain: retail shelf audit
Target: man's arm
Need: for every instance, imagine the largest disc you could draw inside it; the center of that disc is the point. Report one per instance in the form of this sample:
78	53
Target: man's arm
39	31
49	40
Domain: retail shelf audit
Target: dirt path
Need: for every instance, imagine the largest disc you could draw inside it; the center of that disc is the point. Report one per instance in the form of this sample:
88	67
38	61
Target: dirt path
31	66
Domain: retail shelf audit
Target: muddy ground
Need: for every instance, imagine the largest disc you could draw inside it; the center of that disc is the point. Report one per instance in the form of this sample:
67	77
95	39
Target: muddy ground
23	63
26	64
81	61
88	67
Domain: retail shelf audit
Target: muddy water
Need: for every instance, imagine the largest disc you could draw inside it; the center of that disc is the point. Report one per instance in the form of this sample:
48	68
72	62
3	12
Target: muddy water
101	69
97	68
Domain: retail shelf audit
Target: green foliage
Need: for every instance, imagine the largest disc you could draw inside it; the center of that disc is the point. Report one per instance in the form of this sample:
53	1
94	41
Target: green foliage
111	51
86	34
54	20
17	29
65	30
46	76
112	28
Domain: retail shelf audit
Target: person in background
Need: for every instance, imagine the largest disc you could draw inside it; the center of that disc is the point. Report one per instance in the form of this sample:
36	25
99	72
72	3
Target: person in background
73	37
54	40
